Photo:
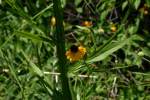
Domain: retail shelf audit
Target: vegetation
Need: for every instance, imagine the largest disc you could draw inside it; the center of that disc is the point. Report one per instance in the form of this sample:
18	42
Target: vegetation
74	49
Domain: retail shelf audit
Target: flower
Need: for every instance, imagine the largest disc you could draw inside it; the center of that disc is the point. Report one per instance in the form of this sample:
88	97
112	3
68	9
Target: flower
75	53
87	23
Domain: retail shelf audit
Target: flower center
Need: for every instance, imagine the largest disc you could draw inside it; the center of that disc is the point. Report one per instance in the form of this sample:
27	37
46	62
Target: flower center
74	48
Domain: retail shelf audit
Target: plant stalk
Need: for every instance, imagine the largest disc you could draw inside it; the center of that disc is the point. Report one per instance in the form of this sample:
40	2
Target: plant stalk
60	44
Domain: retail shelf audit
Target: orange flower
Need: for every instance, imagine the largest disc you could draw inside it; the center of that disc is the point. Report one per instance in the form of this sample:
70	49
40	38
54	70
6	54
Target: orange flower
75	53
87	23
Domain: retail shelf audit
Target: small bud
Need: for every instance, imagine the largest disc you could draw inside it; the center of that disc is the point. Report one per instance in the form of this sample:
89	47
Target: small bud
101	30
141	53
113	28
53	21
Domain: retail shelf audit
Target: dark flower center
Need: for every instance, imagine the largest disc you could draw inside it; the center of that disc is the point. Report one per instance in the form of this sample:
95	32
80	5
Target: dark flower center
74	48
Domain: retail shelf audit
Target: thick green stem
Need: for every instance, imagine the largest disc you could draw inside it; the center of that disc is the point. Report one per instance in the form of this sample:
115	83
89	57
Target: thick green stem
60	43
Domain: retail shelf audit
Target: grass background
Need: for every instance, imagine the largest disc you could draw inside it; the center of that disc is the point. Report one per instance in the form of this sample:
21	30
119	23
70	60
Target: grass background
116	66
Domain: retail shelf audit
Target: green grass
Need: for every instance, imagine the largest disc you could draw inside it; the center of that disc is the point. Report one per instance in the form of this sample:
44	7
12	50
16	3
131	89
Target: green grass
33	65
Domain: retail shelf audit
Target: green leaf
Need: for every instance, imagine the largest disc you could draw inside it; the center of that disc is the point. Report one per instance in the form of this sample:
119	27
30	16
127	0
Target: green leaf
33	37
124	5
42	11
103	15
102	56
146	51
36	69
104	47
33	67
77	2
79	10
132	29
7	40
75	68
148	3
82	27
137	3
137	37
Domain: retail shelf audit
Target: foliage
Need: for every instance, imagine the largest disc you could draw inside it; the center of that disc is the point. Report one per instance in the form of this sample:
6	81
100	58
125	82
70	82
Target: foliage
117	62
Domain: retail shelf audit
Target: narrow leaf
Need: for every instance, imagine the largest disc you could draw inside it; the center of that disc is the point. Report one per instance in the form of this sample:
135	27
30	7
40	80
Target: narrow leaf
108	52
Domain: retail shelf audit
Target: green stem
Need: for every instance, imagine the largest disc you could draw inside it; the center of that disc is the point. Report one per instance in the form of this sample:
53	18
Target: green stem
60	44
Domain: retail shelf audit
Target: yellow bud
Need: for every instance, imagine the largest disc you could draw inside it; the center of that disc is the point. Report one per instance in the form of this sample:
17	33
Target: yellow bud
113	29
101	30
53	21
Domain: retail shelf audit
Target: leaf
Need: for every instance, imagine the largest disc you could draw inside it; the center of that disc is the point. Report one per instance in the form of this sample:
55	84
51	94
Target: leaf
79	10
7	40
104	47
132	29
137	3
33	37
74	68
146	51
36	69
77	2
137	37
124	5
82	27
108	52
42	11
33	67
148	2
103	15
